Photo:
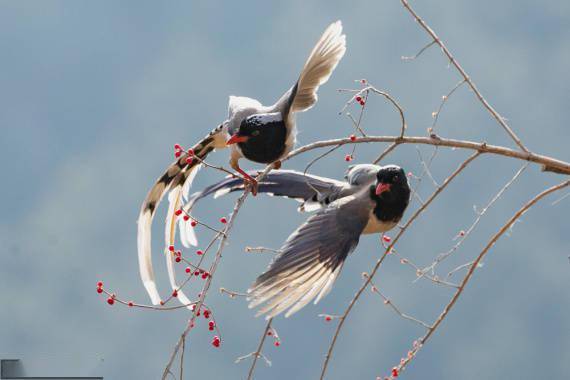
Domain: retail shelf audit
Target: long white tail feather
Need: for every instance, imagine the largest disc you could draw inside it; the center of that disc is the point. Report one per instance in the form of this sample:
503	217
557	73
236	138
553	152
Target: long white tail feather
187	235
174	200
325	56
145	259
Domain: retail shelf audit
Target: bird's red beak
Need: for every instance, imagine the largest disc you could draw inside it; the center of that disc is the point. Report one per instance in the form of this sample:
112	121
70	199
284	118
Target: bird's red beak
382	187
236	139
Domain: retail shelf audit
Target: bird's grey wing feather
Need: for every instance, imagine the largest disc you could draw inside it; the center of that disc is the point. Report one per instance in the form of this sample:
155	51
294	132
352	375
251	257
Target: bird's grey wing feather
311	258
324	58
361	174
284	183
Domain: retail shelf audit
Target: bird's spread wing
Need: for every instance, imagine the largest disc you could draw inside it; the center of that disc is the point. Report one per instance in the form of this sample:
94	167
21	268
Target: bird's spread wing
361	174
311	258
319	66
313	191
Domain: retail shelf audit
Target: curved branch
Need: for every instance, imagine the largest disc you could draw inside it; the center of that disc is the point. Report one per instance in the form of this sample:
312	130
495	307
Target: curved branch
549	164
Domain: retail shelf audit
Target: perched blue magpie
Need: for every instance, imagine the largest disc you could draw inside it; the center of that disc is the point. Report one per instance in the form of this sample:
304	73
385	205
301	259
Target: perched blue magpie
259	133
372	199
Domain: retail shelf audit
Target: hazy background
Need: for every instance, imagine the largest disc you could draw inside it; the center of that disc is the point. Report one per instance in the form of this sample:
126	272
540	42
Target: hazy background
94	94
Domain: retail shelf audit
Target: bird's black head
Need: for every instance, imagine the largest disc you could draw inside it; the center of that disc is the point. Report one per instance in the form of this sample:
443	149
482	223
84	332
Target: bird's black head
261	138
391	192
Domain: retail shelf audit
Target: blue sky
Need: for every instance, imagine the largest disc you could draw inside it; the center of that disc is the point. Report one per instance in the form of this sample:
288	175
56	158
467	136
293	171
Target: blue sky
94	95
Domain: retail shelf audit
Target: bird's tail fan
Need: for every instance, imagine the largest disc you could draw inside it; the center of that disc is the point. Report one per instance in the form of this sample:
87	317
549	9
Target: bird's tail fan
175	179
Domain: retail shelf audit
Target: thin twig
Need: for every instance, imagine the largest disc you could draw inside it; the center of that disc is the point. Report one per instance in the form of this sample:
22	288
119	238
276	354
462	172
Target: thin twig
471	84
258	351
444	100
389	302
465	234
386	152
411	58
261	250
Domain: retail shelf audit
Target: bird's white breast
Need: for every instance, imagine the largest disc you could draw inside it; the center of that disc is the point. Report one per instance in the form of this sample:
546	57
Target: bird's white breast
374	225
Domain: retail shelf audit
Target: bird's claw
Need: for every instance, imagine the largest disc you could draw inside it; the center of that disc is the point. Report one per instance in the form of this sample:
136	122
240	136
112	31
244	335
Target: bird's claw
252	183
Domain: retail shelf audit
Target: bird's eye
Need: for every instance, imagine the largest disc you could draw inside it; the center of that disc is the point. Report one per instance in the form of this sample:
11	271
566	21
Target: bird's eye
255	133
396	177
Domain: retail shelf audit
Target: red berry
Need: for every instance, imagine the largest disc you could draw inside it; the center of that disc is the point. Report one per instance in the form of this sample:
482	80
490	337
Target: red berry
186	218
189	160
194	223
328	318
131	304
362	102
110	300
211	325
269	333
358	99
177	154
99	284
99	290
277	344
461	233
175	293
178	259
223	220
395	372
188	270
204	276
177	147
387	238
348	158
352	138
206	314
171	248
178	212
190	152
161	303
216	341
199	252
197	273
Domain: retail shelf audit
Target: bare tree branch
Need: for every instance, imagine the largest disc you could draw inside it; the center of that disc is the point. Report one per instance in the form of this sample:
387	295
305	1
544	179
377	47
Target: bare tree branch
475	263
466	77
257	353
561	167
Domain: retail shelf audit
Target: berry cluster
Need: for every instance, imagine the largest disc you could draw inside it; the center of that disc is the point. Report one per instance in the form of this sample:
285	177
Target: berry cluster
178	150
277	341
360	100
